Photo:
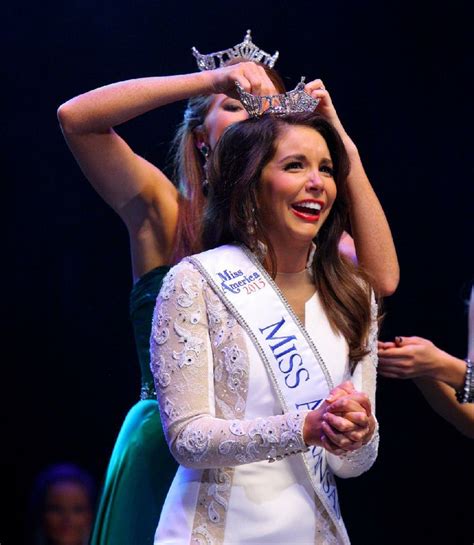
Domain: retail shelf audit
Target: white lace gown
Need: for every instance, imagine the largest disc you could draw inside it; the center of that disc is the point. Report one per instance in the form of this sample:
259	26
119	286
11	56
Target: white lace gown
223	423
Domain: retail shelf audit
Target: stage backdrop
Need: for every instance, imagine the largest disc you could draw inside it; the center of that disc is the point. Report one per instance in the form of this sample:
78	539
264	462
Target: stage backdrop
401	79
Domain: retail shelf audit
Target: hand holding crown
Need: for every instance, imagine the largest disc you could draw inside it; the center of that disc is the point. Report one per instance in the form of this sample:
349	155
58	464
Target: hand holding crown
295	101
317	90
250	76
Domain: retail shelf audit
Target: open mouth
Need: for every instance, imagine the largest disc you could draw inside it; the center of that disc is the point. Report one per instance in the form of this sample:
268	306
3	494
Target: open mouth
309	210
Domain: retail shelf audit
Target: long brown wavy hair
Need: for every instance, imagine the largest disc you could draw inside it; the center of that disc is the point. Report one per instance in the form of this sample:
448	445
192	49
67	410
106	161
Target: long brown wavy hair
189	170
233	215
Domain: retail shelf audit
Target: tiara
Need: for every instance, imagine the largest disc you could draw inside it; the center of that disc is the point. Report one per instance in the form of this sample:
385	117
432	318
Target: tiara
246	50
294	101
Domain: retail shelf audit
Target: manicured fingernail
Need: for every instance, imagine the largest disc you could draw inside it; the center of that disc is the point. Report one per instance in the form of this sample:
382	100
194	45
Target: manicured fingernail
398	340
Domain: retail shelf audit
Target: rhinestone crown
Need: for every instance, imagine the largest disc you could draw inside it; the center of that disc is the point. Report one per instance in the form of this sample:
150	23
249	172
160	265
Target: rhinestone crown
246	50
294	101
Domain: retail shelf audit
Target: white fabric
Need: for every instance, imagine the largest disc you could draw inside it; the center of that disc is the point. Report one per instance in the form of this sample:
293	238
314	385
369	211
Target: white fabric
219	411
299	374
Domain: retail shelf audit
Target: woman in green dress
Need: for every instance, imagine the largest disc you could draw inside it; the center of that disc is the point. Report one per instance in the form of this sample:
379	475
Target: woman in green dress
164	224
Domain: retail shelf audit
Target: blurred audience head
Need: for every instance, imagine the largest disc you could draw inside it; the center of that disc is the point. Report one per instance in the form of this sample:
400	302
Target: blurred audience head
62	506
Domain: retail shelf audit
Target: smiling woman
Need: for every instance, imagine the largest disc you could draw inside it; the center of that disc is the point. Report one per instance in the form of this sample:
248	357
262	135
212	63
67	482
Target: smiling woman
297	193
164	221
164	224
279	369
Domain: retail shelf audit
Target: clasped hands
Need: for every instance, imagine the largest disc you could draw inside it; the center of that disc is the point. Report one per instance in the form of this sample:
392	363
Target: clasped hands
342	423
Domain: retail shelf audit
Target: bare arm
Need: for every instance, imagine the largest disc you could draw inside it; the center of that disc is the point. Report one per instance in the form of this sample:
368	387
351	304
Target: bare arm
372	237
442	399
138	191
441	396
415	357
437	374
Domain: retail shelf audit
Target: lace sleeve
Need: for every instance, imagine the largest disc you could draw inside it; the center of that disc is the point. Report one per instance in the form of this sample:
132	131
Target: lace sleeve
183	370
355	463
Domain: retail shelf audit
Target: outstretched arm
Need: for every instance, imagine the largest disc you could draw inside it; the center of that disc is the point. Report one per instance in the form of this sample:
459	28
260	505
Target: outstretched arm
442	399
415	357
137	190
373	240
436	373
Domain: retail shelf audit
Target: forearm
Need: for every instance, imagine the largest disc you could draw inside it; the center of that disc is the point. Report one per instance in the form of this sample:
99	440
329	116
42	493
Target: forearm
199	432
442	399
373	240
205	441
448	369
98	110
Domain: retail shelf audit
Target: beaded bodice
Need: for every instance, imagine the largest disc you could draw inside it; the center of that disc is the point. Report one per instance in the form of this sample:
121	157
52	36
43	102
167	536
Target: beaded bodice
142	302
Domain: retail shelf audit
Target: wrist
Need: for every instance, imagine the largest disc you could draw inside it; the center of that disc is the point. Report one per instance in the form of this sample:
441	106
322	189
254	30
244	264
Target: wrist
450	370
466	393
208	82
312	428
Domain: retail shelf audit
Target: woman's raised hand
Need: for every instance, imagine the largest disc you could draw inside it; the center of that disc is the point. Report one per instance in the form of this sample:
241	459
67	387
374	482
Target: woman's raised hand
252	77
317	89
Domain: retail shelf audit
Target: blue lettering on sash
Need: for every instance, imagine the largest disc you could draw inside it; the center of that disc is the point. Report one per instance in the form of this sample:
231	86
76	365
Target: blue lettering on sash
332	497
324	478
289	365
310	405
233	281
317	454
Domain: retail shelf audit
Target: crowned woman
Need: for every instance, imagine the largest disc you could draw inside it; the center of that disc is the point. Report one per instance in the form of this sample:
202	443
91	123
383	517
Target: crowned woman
263	347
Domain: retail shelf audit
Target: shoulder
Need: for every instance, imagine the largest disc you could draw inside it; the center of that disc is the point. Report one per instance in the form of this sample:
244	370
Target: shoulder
183	277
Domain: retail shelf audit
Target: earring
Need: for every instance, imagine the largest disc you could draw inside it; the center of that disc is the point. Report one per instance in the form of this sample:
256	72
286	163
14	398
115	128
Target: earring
205	187
204	149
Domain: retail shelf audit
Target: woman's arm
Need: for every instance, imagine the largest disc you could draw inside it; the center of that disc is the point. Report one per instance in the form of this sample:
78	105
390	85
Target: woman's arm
413	357
437	373
373	240
442	399
185	375
184	372
138	191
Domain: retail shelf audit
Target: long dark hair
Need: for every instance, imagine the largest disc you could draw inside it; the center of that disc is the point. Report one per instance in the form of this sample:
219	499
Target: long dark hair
233	214
189	170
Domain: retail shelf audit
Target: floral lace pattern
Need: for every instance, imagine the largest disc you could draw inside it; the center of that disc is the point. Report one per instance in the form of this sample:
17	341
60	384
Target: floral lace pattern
200	365
189	315
265	439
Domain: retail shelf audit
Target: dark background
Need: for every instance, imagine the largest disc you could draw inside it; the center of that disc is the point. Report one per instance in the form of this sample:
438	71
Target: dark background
400	75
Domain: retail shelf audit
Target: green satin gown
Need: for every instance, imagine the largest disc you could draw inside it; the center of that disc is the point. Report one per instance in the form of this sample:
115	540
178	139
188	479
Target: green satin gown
141	467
